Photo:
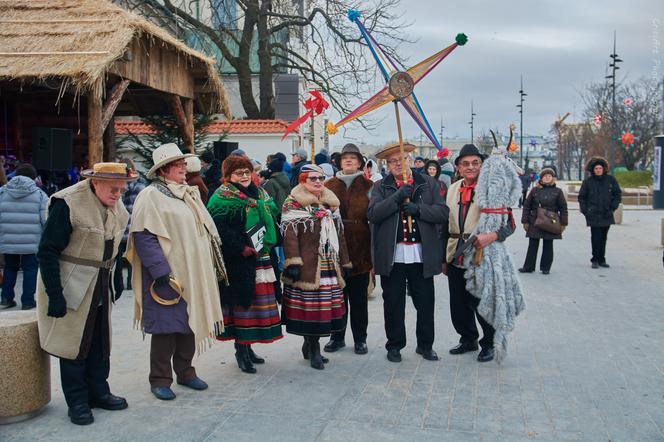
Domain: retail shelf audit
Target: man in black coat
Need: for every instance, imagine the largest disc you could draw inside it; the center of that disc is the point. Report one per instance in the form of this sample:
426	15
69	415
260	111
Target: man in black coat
212	172
599	197
404	255
299	159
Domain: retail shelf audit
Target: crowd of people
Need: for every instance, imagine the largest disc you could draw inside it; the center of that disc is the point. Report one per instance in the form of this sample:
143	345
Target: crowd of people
213	248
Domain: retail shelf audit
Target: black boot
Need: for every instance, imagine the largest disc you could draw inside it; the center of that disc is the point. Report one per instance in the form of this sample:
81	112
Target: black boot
242	358
305	352
314	353
253	357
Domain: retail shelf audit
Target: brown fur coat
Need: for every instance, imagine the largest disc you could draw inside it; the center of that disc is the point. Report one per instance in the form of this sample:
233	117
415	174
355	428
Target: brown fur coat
354	202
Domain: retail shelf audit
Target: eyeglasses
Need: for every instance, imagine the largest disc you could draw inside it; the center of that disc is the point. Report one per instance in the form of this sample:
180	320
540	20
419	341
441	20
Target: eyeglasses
242	173
395	161
316	178
180	164
116	190
475	163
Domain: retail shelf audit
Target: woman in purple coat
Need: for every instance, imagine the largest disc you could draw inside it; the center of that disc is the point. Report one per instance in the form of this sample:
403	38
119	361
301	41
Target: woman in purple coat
175	268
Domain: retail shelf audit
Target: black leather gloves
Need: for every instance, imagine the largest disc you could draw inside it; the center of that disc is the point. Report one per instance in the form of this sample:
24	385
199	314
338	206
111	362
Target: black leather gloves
292	272
405	191
411	209
57	306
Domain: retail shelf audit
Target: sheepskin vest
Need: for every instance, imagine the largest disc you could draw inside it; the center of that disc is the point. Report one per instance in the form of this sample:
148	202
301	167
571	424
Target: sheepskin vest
472	218
92	224
354	202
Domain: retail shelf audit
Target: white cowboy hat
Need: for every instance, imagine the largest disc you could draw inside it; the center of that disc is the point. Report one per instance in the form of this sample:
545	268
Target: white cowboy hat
164	154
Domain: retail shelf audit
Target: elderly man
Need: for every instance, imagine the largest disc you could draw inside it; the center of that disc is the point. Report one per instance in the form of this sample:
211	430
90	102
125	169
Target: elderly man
407	248
353	191
300	157
464	216
77	250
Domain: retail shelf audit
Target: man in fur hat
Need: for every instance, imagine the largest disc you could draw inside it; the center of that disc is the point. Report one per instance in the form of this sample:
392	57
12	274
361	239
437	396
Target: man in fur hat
353	191
464	216
84	228
407	248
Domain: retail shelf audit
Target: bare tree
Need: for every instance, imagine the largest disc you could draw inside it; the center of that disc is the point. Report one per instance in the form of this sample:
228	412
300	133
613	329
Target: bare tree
638	110
335	58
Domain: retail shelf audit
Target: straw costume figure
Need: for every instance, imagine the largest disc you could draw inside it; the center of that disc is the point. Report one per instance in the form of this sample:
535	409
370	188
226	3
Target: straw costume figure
491	274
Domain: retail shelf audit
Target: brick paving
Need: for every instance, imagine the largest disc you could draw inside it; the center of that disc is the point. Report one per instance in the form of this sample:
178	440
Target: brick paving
586	362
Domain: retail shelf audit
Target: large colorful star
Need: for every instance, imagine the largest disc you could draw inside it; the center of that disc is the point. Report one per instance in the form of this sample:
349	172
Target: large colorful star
400	84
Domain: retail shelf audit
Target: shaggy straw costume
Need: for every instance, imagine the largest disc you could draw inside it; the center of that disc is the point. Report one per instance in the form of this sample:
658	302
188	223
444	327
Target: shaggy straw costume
494	280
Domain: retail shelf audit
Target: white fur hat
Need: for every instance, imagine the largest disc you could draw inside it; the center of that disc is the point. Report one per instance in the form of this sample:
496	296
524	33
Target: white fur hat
193	164
164	154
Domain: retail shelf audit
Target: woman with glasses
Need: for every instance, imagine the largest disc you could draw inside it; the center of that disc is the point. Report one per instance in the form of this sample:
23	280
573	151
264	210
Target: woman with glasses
245	216
172	247
316	255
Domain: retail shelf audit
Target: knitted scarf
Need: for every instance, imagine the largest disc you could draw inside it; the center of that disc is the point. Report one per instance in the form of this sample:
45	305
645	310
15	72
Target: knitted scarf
228	200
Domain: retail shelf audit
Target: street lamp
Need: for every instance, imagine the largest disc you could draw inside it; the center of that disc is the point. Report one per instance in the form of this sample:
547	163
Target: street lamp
472	121
520	106
614	134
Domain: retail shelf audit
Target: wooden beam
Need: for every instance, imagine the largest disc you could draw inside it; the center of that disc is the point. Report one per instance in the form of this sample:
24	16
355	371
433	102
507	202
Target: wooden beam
109	141
111	104
185	120
95	130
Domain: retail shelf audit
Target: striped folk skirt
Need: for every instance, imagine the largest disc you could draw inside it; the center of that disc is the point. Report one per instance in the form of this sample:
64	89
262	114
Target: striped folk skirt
315	312
260	323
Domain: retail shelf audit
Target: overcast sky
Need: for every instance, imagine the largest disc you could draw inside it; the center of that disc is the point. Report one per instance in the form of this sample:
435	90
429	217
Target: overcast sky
558	46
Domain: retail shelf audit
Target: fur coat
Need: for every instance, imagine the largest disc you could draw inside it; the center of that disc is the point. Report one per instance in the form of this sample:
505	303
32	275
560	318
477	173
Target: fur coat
301	239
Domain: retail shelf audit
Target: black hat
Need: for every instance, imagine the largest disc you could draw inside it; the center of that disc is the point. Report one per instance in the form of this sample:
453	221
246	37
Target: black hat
276	165
351	148
468	150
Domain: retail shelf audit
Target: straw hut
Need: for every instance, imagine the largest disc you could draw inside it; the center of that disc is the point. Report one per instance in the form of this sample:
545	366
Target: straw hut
68	66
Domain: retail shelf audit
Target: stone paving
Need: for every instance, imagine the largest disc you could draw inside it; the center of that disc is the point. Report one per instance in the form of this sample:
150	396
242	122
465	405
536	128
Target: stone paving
586	362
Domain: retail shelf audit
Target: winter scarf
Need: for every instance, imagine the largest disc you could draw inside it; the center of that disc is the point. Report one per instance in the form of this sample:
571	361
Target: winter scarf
228	200
301	208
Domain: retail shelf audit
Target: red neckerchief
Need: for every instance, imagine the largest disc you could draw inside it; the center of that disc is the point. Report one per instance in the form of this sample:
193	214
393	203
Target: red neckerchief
467	193
400	182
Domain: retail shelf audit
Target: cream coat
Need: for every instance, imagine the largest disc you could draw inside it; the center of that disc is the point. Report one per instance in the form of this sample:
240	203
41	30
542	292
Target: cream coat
472	218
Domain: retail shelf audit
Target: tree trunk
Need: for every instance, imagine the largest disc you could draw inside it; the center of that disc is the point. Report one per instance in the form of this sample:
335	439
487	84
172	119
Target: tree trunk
243	67
265	62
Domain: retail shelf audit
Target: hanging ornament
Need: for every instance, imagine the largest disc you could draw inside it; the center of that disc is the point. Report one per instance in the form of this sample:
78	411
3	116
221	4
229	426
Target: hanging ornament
598	119
627	139
513	147
443	153
628	102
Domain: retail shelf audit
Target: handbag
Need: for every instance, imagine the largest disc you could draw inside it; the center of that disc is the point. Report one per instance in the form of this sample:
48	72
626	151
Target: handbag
548	221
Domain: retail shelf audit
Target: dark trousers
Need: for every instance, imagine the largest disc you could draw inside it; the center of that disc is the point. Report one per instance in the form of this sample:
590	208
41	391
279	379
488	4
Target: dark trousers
598	240
394	305
12	264
85	380
524	195
463	309
531	255
180	348
118	282
355	296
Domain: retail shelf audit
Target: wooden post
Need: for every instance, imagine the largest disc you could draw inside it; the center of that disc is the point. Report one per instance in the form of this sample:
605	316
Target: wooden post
109	141
95	129
114	98
184	116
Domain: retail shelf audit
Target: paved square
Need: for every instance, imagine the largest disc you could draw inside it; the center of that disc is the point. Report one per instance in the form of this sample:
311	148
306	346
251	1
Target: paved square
586	362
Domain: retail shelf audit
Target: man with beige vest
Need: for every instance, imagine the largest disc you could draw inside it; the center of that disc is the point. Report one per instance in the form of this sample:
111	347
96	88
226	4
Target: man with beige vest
76	253
464	216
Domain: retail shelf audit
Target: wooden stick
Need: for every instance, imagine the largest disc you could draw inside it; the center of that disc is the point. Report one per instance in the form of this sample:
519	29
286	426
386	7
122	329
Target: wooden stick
403	165
313	141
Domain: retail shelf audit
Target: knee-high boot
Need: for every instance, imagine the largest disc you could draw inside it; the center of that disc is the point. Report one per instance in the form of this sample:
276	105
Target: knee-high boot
316	360
242	358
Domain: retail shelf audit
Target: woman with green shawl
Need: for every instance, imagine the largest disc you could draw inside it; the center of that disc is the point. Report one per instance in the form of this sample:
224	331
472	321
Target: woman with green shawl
245	218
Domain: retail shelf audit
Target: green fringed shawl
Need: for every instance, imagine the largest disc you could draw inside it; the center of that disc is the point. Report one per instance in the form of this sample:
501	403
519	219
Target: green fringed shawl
229	201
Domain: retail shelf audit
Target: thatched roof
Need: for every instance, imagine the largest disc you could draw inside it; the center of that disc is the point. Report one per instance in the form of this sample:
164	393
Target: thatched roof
79	40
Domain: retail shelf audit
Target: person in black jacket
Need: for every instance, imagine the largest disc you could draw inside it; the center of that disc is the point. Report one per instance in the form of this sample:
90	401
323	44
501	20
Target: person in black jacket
300	157
549	197
404	255
212	171
599	197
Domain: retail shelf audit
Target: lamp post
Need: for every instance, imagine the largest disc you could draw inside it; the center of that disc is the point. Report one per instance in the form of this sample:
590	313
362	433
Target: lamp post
614	134
520	106
472	121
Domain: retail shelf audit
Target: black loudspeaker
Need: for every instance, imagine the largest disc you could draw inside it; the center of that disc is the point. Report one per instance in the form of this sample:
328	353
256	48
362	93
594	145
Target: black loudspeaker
52	148
222	149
